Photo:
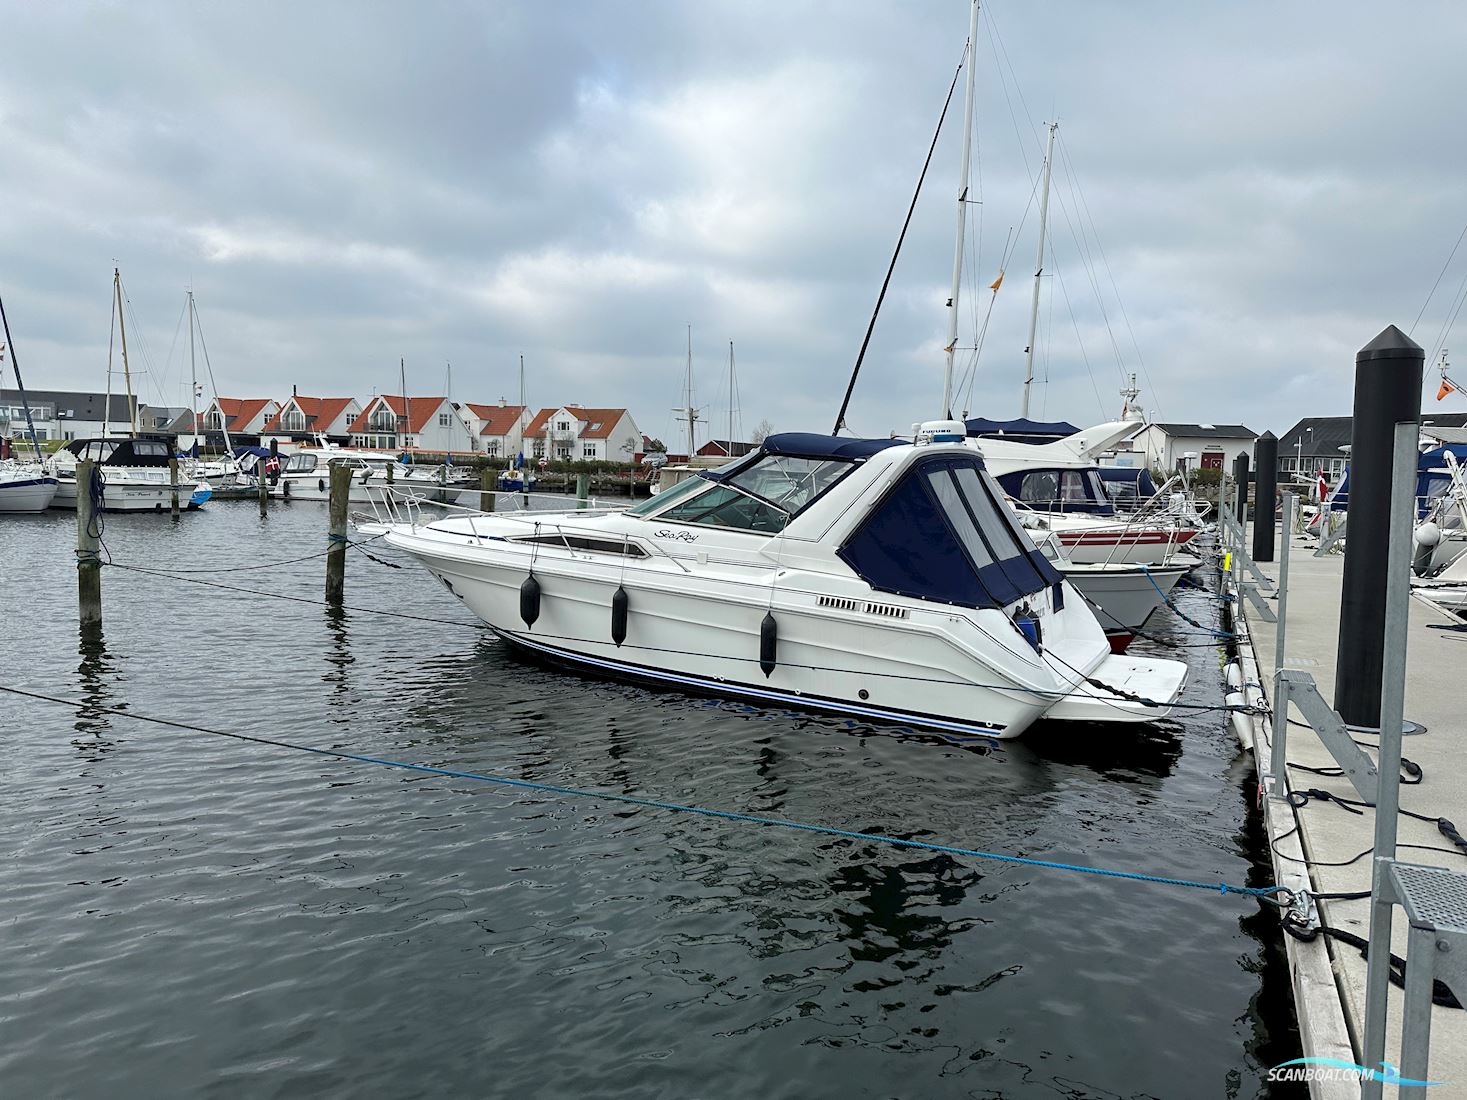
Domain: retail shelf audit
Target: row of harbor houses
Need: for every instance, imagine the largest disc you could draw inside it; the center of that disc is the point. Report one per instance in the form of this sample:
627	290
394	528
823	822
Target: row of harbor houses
385	421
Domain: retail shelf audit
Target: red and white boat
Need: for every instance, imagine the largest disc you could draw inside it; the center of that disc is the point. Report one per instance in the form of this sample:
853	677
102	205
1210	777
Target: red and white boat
1059	486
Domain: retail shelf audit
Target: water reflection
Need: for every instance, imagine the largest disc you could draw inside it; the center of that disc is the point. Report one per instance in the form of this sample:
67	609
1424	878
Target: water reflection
95	673
1150	749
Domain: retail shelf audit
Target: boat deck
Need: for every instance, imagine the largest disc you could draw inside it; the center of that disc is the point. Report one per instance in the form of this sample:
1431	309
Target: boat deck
1329	982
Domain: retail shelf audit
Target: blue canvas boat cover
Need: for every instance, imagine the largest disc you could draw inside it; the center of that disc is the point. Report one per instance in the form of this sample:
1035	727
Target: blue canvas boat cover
1139	476
941	534
1024	431
1428	484
814	445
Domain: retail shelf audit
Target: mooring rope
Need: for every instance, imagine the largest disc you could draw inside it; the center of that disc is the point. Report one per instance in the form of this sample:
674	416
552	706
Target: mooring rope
1277	895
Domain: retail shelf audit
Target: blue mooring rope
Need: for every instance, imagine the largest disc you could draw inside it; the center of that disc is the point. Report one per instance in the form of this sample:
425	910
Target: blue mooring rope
1262	892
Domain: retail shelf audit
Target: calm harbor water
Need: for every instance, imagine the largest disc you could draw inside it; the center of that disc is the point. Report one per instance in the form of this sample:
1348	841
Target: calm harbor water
186	914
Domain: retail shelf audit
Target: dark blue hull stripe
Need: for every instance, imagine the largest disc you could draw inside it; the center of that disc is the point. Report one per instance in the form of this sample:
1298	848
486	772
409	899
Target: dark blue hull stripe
751	691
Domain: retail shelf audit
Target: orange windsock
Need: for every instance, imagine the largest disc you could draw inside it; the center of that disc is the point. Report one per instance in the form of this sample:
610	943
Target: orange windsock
996	282
1446	388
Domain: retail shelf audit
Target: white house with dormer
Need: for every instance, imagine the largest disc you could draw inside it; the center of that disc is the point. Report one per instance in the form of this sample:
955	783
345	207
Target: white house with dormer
499	429
574	433
394	422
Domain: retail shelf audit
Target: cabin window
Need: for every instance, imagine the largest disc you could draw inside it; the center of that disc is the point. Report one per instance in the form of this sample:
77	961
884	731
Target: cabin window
300	464
1059	490
726	506
940	534
594	545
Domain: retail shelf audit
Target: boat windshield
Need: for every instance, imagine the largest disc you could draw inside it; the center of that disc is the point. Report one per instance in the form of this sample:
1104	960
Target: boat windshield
300	464
788	482
1059	490
661	500
763	495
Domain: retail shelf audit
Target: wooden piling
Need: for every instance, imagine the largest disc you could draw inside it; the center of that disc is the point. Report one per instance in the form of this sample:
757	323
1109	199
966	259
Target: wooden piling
583	491
486	489
263	485
336	552
88	549
173	480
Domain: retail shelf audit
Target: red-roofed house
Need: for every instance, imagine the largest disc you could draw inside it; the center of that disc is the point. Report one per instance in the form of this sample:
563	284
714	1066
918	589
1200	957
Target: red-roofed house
500	428
573	433
301	419
421	423
243	416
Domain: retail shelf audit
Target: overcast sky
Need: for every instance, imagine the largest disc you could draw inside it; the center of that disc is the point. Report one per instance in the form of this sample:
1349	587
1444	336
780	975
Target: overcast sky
1244	195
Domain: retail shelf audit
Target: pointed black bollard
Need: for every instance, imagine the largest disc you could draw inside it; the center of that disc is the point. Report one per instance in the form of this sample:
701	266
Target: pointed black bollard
1266	461
1240	485
1387	392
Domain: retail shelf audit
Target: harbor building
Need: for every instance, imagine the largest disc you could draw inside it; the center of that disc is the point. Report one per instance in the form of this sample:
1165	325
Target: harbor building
1316	444
499	429
1215	445
65	414
575	434
302	419
392	421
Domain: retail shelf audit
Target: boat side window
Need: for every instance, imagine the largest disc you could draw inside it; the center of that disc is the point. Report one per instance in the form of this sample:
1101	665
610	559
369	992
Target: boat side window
790	482
100	450
726	506
1039	487
958	516
1072	487
982	496
682	489
300	464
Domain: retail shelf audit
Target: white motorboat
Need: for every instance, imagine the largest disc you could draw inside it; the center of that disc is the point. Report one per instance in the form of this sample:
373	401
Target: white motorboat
307	474
1447	590
876	579
135	475
25	488
1060	484
1123	596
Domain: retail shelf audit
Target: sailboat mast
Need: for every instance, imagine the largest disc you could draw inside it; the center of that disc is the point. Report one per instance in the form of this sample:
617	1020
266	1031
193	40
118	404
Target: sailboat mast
193	377
25	402
952	302
731	398
407	404
691	411
1038	270
132	408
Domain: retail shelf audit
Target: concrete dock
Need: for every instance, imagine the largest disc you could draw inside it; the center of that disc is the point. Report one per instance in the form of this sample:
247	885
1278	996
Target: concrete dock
1329	977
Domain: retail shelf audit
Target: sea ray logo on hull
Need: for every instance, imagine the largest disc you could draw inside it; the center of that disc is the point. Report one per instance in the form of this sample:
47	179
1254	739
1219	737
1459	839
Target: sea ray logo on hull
681	536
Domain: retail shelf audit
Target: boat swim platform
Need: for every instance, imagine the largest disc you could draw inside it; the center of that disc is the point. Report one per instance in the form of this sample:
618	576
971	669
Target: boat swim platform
1328	976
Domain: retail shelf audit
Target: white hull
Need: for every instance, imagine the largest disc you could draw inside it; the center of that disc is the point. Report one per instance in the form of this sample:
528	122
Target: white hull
318	487
1123	597
127	496
1110	542
871	656
27	494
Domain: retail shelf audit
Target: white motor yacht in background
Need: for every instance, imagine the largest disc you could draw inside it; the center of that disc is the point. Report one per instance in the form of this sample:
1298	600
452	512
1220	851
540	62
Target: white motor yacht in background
877	579
135	475
1060	483
307	473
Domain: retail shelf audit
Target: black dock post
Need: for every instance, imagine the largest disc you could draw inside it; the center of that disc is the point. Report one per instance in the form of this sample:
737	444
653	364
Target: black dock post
1387	393
336	510
1266	462
1240	481
88	547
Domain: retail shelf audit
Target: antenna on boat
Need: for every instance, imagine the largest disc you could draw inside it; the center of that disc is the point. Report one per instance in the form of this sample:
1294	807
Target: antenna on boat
952	302
1038	270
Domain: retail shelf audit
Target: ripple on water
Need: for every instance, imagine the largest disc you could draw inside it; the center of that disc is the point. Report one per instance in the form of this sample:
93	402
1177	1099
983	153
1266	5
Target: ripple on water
194	914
